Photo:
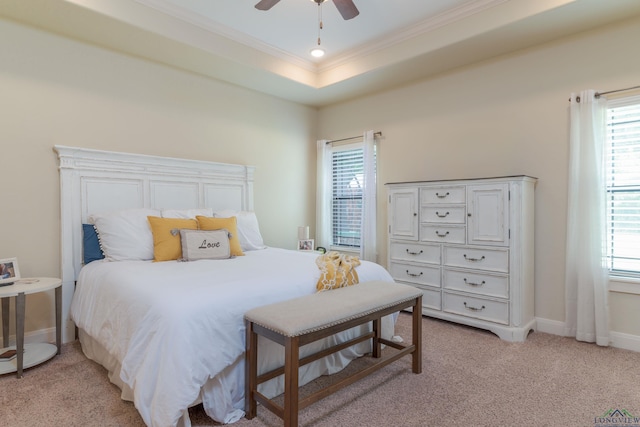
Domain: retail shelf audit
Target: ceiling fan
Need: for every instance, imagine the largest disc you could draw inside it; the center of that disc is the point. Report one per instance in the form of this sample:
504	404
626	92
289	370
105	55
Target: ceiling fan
346	8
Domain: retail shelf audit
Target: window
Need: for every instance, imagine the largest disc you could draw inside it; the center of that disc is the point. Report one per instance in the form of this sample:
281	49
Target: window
347	167
623	187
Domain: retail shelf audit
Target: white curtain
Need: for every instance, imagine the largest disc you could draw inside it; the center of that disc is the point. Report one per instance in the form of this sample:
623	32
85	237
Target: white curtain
323	195
586	278
368	250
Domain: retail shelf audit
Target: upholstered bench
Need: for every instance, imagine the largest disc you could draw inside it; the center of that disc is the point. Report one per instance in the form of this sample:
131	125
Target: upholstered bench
294	323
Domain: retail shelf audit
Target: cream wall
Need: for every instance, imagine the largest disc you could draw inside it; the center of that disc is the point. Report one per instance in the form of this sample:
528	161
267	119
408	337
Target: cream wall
505	116
58	91
501	117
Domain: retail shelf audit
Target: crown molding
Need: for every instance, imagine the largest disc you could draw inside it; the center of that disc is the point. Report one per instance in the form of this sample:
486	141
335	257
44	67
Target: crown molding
227	32
391	40
379	44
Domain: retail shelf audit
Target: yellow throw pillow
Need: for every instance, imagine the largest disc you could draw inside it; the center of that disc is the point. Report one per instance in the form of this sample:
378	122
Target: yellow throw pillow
336	271
166	245
230	224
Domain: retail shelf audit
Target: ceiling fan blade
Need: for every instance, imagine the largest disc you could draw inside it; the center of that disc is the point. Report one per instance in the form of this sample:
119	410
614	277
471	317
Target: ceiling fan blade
266	4
346	8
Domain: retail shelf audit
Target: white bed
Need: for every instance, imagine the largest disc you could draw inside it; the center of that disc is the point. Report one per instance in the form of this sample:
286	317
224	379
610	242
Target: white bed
171	334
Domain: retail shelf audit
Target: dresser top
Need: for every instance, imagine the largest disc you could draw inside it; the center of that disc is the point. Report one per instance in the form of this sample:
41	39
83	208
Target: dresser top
495	178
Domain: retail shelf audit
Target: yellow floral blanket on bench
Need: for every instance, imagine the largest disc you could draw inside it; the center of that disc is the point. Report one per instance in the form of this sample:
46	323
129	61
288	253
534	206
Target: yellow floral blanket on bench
336	270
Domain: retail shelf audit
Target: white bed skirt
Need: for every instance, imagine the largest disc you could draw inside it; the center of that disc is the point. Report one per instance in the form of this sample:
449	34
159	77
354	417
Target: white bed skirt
223	395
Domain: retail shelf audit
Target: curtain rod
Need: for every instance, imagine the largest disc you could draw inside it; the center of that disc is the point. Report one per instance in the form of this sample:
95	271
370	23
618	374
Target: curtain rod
599	94
352	137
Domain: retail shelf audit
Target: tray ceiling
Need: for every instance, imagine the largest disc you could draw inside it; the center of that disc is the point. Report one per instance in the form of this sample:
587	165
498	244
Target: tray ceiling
391	42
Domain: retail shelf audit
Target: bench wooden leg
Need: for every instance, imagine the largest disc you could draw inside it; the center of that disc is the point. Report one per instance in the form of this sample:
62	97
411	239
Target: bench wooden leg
291	365
416	338
376	351
251	371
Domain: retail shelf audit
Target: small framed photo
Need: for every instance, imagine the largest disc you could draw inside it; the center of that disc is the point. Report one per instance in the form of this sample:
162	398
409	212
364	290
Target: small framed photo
305	245
9	271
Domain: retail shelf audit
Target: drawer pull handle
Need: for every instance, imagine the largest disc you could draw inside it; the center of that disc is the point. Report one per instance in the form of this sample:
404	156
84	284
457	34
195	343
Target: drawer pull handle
472	283
440	234
413	253
473	259
442	196
468	307
414	274
439	215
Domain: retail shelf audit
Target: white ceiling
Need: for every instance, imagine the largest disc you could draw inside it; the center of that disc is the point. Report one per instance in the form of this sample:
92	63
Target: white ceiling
290	28
391	42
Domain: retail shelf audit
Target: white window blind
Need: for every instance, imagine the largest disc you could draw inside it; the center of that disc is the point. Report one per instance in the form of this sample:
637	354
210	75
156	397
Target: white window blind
623	187
346	209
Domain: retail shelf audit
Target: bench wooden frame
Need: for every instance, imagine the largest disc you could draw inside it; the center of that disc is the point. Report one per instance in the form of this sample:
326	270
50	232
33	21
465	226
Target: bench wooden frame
292	344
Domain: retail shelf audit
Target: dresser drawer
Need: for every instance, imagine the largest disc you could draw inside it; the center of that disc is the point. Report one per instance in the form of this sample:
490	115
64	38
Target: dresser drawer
478	308
493	285
431	297
442	194
414	252
443	233
480	259
418	274
443	214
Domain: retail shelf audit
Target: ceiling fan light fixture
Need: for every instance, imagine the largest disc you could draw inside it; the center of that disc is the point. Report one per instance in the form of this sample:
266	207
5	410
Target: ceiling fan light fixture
317	52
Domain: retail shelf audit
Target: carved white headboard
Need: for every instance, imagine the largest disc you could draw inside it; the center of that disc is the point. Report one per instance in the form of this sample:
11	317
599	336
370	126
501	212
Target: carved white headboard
93	181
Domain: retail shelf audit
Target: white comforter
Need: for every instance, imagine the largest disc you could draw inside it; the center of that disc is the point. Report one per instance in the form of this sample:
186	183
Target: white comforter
177	328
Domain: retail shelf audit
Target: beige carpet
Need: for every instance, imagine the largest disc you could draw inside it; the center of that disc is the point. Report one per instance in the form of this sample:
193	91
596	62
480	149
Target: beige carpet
470	378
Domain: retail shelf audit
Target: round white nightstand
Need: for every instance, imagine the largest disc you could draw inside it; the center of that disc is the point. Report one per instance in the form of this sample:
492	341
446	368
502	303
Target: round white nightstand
31	354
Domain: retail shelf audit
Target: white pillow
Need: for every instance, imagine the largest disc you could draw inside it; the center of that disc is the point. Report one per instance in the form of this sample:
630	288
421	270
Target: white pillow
248	228
125	235
186	213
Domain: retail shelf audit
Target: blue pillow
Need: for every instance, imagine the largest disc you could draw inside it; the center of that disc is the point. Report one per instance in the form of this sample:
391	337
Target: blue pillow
91	244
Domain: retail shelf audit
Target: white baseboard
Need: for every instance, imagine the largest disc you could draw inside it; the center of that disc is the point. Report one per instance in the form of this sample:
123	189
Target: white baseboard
616	339
553	327
41	335
626	341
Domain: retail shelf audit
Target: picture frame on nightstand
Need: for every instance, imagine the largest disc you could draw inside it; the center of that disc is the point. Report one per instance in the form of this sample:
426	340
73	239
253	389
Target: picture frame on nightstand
305	245
9	271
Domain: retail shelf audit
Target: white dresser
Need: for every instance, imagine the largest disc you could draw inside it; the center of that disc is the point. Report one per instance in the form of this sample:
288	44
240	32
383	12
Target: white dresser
468	244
